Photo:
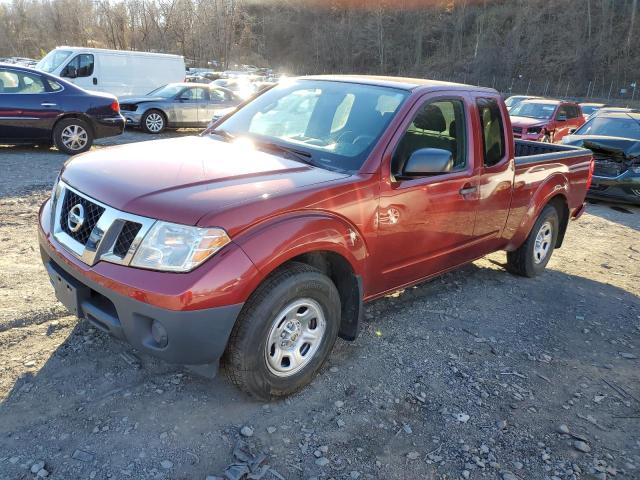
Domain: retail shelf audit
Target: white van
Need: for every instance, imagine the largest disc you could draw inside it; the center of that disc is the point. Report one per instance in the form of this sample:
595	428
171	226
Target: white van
119	72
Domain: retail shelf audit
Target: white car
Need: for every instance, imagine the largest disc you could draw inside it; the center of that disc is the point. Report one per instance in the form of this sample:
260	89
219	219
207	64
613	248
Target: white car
117	72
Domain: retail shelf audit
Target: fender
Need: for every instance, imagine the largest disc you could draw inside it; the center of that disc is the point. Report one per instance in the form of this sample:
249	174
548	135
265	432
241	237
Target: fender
556	185
295	234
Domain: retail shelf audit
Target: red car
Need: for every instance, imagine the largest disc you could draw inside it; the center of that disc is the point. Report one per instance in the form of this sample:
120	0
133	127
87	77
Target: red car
545	120
257	242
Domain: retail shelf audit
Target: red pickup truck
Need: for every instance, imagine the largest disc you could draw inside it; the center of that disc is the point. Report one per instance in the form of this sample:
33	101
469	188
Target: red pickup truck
256	243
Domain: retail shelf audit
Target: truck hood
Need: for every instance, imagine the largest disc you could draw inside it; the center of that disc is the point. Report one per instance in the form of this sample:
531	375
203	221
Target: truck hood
181	180
528	122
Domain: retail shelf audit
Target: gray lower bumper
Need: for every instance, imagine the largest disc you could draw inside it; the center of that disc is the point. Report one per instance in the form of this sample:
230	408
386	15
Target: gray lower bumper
197	337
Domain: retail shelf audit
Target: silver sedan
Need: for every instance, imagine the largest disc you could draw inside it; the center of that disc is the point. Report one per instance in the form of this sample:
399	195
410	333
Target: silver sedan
177	105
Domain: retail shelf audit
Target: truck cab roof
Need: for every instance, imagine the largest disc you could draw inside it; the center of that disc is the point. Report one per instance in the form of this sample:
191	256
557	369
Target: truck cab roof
404	83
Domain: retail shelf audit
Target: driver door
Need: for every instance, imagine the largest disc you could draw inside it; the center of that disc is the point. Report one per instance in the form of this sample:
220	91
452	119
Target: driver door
187	104
426	224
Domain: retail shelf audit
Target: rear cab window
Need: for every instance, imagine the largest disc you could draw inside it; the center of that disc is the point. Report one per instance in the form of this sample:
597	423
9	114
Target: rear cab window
491	123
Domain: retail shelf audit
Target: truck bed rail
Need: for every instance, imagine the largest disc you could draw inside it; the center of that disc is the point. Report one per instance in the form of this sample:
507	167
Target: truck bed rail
527	151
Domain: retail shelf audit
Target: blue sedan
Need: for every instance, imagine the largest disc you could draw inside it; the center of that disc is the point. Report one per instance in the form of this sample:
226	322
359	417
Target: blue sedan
37	108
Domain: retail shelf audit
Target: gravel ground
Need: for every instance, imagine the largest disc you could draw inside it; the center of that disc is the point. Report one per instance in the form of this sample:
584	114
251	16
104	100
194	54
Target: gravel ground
476	374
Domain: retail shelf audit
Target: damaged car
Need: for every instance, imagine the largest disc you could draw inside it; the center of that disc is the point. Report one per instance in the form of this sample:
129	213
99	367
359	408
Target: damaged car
614	139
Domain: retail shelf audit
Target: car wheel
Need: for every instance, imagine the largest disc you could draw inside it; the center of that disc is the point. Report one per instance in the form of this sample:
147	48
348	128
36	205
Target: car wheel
284	333
533	255
72	136
153	122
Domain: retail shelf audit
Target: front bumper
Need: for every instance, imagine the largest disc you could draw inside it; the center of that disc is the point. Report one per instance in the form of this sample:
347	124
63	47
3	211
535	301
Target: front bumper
195	337
623	188
133	119
108	126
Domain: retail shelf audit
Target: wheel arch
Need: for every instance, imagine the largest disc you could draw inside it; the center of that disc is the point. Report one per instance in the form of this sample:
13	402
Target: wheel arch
79	115
323	241
553	191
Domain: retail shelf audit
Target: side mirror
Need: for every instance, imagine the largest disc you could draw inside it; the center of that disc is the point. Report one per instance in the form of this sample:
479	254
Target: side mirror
70	72
428	161
572	130
561	118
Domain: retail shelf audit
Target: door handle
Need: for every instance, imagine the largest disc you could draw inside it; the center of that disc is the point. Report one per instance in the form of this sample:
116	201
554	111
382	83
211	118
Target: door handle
47	104
95	81
467	190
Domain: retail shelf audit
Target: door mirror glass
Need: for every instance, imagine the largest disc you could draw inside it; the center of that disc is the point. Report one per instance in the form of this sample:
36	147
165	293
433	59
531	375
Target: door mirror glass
428	161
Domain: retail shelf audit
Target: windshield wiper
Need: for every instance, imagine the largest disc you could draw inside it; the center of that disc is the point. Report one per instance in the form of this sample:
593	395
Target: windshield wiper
300	155
221	133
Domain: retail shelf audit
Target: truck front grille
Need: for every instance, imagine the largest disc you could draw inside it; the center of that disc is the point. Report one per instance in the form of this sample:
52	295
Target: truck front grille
101	232
126	238
91	213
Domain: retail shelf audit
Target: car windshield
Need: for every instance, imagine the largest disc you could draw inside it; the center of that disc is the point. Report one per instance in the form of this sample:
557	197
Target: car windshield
511	101
336	124
533	110
168	91
52	60
589	109
612	127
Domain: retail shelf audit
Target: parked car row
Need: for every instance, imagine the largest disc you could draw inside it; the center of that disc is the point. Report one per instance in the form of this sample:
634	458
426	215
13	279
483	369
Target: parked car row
612	133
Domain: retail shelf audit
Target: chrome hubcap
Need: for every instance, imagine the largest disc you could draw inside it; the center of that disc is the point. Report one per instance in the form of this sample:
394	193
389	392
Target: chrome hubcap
74	137
295	336
154	122
543	242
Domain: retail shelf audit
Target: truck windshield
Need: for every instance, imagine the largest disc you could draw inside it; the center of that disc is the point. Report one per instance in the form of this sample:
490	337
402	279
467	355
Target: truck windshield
52	60
533	110
336	124
627	127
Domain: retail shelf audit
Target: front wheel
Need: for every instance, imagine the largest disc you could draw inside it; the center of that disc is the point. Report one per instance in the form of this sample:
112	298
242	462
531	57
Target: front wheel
284	333
153	122
533	255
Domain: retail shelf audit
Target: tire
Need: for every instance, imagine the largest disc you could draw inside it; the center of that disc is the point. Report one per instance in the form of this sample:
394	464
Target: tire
72	136
252	360
153	122
533	255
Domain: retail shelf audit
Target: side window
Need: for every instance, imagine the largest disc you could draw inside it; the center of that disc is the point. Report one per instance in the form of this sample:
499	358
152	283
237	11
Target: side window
54	86
562	112
575	111
198	93
20	82
492	131
8	81
80	66
439	124
217	96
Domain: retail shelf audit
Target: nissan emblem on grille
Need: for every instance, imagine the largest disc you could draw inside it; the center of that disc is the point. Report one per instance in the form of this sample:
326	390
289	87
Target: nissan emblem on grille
75	218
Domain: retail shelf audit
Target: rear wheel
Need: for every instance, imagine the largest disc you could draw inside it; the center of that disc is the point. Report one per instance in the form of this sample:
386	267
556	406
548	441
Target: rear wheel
534	254
153	122
284	333
72	136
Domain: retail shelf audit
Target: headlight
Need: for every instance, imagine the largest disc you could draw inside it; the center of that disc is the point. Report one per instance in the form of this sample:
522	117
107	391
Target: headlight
178	248
534	129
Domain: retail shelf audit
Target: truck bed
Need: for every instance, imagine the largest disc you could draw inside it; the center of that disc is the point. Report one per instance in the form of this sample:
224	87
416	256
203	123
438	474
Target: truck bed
528	152
540	170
